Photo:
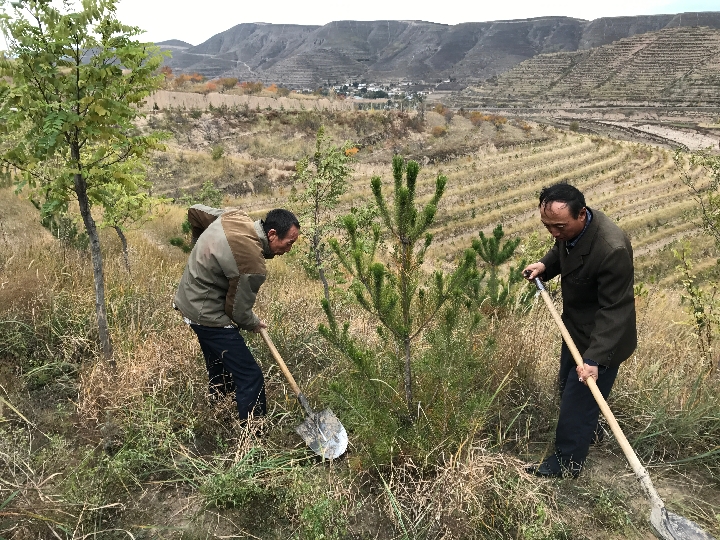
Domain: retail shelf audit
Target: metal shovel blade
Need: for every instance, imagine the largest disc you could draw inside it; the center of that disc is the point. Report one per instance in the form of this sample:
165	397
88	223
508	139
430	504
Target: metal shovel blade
669	526
322	431
324	434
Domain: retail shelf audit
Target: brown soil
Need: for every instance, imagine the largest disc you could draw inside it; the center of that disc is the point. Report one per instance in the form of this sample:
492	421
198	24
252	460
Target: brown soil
164	99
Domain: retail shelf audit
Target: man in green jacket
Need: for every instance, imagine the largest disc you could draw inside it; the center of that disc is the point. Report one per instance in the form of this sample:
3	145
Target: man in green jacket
594	258
217	293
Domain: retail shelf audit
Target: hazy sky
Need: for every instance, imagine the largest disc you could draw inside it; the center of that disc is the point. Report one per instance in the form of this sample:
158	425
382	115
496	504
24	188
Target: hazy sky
195	22
198	21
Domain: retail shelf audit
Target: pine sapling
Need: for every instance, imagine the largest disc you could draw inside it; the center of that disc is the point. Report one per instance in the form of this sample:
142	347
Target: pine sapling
394	287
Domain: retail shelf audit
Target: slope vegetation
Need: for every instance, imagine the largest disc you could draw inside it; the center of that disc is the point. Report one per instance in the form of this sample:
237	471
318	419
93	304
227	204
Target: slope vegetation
140	451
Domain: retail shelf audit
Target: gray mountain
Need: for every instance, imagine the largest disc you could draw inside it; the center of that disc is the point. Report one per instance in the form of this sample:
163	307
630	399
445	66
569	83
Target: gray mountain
391	51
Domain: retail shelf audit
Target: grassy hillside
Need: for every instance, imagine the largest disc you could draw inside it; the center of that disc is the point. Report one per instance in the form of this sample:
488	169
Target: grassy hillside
679	66
141	452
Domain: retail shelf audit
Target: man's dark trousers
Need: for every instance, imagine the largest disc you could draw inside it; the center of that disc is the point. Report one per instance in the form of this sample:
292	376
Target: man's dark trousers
579	413
227	354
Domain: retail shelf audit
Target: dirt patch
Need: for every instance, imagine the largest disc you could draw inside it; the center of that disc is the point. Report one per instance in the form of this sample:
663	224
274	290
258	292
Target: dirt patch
691	140
685	128
165	99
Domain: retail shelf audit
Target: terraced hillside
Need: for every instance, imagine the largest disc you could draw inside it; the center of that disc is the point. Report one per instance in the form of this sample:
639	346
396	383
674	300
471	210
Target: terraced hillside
676	65
638	185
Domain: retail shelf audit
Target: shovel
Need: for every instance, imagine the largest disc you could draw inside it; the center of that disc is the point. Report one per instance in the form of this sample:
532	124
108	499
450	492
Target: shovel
668	526
322	431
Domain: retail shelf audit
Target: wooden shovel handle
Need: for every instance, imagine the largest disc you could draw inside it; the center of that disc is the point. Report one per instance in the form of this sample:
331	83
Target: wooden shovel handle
279	360
638	469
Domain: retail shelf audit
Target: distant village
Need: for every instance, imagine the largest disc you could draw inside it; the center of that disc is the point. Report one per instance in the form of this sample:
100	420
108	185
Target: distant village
398	95
361	90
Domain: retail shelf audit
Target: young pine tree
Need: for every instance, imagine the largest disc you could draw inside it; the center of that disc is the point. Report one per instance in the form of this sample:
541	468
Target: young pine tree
395	288
495	253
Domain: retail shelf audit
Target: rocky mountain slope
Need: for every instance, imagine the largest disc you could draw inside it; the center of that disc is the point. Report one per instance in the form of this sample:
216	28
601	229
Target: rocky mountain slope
387	51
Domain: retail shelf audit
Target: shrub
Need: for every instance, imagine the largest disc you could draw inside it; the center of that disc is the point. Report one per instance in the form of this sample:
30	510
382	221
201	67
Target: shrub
438	131
415	122
228	82
217	152
180	80
478	118
252	87
209	87
308	121
208	194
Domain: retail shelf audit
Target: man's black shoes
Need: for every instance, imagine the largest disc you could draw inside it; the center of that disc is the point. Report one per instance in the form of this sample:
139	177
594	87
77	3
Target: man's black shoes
544	471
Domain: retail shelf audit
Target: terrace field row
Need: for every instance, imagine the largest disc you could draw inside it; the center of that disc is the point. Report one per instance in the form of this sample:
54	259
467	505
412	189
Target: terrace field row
672	65
637	185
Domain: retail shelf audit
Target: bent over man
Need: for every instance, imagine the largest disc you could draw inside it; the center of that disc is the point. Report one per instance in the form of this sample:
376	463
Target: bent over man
217	293
594	258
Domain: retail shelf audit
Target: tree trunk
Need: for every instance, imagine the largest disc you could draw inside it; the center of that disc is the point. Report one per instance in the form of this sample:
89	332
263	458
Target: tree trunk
406	299
123	241
315	247
319	265
408	374
326	287
91	229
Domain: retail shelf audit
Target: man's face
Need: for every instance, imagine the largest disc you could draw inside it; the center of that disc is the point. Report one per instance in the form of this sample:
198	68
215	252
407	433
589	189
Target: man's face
559	222
280	246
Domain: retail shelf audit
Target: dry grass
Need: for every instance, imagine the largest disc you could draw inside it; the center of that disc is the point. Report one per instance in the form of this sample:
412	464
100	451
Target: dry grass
466	498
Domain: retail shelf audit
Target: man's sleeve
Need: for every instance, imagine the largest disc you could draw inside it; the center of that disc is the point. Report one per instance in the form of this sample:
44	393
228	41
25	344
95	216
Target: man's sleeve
240	300
617	306
551	260
200	217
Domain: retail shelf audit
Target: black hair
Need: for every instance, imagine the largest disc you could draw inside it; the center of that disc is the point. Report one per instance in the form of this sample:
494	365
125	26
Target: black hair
564	193
281	220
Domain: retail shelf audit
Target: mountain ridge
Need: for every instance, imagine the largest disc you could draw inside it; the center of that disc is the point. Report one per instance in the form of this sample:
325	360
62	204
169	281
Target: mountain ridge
404	50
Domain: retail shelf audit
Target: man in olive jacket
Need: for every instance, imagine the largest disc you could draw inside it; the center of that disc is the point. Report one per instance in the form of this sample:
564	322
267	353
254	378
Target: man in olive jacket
217	293
594	258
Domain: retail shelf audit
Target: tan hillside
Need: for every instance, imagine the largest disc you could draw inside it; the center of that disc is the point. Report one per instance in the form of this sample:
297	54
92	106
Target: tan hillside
676	65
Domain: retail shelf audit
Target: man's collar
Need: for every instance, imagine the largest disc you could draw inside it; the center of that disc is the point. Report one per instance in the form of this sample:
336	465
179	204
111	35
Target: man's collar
267	253
572	243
